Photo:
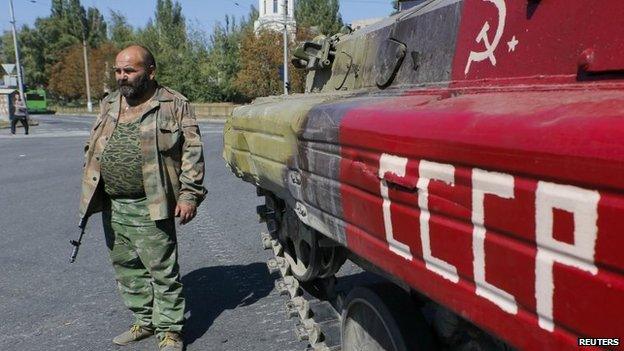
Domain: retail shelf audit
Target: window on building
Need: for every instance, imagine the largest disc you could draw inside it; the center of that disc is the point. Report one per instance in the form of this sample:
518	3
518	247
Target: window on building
274	6
264	7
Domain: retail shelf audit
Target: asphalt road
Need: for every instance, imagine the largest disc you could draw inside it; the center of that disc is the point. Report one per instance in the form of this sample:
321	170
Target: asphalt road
48	304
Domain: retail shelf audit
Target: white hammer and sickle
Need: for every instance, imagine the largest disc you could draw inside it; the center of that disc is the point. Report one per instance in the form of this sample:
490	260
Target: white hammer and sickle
483	37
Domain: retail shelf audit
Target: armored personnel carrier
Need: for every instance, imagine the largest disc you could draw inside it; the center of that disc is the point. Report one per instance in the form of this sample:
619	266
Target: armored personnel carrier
469	152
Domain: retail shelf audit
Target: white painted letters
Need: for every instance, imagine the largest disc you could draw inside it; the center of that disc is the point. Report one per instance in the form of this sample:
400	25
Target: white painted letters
396	165
583	204
438	171
501	185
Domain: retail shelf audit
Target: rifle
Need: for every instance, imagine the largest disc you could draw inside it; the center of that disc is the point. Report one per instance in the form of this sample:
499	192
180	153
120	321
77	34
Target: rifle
76	243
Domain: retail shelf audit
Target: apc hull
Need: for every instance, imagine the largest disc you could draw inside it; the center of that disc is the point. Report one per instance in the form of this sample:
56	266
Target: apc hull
497	193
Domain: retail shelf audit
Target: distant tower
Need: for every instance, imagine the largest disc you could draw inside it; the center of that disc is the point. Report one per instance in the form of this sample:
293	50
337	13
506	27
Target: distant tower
271	15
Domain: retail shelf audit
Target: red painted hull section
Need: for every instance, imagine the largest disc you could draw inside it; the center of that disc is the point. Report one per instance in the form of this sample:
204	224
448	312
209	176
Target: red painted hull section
540	40
564	137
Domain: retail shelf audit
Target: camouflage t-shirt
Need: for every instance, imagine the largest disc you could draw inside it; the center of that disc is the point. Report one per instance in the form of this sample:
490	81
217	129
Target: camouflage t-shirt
122	162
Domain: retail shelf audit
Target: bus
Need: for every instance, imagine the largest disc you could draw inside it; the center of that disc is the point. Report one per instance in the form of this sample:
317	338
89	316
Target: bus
36	101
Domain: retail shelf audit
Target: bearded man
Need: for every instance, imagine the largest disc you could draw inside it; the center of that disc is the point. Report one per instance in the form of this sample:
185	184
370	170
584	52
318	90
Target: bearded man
144	166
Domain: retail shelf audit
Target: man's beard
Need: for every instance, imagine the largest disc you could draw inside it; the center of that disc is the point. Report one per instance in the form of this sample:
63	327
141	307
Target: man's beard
136	89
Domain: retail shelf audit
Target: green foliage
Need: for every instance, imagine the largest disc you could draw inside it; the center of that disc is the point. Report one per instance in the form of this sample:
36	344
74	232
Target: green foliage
322	14
6	48
33	58
230	64
47	42
121	33
95	28
260	64
224	58
166	36
67	80
201	69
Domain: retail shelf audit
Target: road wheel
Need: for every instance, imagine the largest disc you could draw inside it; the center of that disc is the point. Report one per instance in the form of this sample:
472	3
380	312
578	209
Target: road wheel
383	318
332	258
300	247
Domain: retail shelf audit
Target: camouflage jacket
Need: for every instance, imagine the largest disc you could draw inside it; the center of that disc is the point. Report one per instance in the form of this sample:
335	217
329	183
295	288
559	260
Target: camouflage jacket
173	160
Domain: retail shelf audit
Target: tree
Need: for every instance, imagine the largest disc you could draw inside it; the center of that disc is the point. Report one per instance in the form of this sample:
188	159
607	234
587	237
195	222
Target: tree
261	63
33	57
166	37
71	16
67	79
6	48
323	14
121	33
95	27
224	58
232	64
67	76
44	44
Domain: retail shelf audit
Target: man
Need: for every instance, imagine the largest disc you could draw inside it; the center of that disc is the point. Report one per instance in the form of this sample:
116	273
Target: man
144	165
20	114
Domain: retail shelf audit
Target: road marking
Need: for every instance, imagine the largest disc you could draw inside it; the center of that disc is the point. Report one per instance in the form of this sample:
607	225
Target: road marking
65	134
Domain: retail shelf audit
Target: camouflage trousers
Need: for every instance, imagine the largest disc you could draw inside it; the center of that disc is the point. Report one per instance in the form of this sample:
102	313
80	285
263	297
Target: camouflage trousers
145	260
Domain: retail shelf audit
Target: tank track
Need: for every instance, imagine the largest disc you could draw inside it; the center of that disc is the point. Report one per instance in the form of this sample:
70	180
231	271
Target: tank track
317	320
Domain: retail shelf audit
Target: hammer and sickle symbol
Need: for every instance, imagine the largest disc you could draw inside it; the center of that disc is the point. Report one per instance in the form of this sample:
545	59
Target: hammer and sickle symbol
484	37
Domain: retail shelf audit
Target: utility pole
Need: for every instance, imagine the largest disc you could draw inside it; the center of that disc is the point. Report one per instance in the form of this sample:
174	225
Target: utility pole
285	10
86	65
20	84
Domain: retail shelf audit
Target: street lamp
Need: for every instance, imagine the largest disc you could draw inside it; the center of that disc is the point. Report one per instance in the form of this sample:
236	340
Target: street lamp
86	67
83	31
286	82
20	84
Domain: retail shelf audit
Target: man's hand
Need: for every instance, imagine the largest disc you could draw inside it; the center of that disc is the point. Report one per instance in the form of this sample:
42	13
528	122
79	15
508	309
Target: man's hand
186	211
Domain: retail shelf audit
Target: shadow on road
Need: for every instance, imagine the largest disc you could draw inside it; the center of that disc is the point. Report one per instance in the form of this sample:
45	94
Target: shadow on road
212	290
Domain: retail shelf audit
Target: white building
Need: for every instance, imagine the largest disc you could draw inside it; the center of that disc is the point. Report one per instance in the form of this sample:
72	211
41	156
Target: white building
271	15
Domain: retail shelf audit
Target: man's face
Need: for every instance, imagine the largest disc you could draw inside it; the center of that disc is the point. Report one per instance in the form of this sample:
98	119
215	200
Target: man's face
132	76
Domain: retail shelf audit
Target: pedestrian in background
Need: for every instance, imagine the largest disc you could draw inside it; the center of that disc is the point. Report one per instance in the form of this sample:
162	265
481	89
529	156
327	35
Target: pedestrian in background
144	166
20	113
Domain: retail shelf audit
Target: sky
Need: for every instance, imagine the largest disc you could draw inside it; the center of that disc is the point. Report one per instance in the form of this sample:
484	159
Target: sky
202	14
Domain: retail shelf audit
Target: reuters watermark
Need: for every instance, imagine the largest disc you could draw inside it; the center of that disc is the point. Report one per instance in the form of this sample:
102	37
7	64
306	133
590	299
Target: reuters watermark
598	341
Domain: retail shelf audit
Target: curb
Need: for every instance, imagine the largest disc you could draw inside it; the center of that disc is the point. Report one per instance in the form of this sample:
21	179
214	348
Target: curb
211	120
7	124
